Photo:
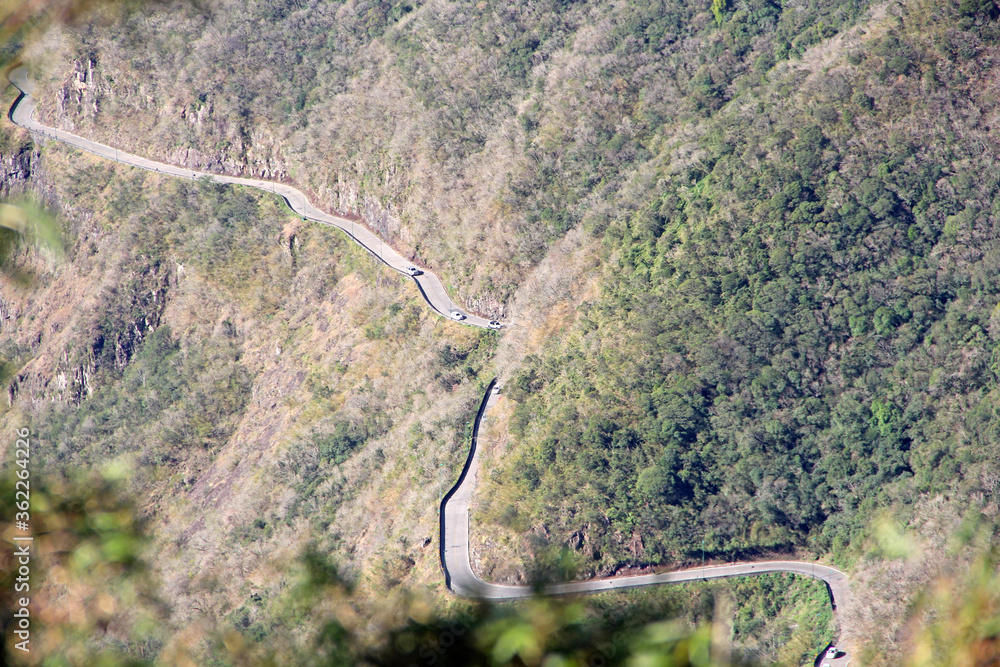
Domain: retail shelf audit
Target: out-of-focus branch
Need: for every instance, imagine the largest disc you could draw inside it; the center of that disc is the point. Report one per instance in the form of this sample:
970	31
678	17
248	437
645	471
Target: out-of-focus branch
26	223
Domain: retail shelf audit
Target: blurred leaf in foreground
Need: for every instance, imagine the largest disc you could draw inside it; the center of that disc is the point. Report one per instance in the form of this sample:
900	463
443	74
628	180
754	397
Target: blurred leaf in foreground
25	223
92	600
20	20
956	620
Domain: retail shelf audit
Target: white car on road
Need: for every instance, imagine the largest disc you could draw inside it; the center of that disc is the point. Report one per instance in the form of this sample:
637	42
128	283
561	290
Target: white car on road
457	316
413	271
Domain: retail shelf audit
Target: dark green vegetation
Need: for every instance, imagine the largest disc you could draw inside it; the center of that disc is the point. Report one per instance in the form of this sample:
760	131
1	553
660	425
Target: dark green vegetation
800	328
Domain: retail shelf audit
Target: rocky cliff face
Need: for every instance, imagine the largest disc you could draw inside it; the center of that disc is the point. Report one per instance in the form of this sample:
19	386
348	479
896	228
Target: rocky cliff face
128	306
17	159
16	167
89	94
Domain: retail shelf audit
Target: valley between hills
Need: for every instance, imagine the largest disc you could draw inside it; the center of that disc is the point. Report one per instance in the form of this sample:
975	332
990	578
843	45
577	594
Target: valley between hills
743	261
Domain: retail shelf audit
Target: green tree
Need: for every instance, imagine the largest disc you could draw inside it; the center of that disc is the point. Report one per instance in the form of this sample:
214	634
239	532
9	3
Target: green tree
719	9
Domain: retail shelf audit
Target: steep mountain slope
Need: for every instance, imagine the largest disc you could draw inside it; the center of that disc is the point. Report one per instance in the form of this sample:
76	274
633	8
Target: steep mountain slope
473	135
261	379
162	378
749	248
796	334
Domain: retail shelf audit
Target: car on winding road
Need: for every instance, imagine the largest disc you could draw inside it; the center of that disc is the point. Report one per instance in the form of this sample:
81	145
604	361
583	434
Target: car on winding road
493	324
413	271
457	316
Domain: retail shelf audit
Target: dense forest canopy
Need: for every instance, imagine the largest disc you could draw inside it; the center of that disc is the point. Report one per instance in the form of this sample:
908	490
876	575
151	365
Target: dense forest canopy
800	328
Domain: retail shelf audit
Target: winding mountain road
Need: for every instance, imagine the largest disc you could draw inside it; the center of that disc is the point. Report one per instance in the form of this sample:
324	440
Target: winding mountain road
454	516
22	113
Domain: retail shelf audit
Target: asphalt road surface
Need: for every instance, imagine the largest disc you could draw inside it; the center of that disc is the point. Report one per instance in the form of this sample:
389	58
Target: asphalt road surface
430	286
454	522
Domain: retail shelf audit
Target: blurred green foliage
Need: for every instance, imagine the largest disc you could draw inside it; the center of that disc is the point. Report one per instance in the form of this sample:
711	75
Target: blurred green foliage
95	603
87	573
26	224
